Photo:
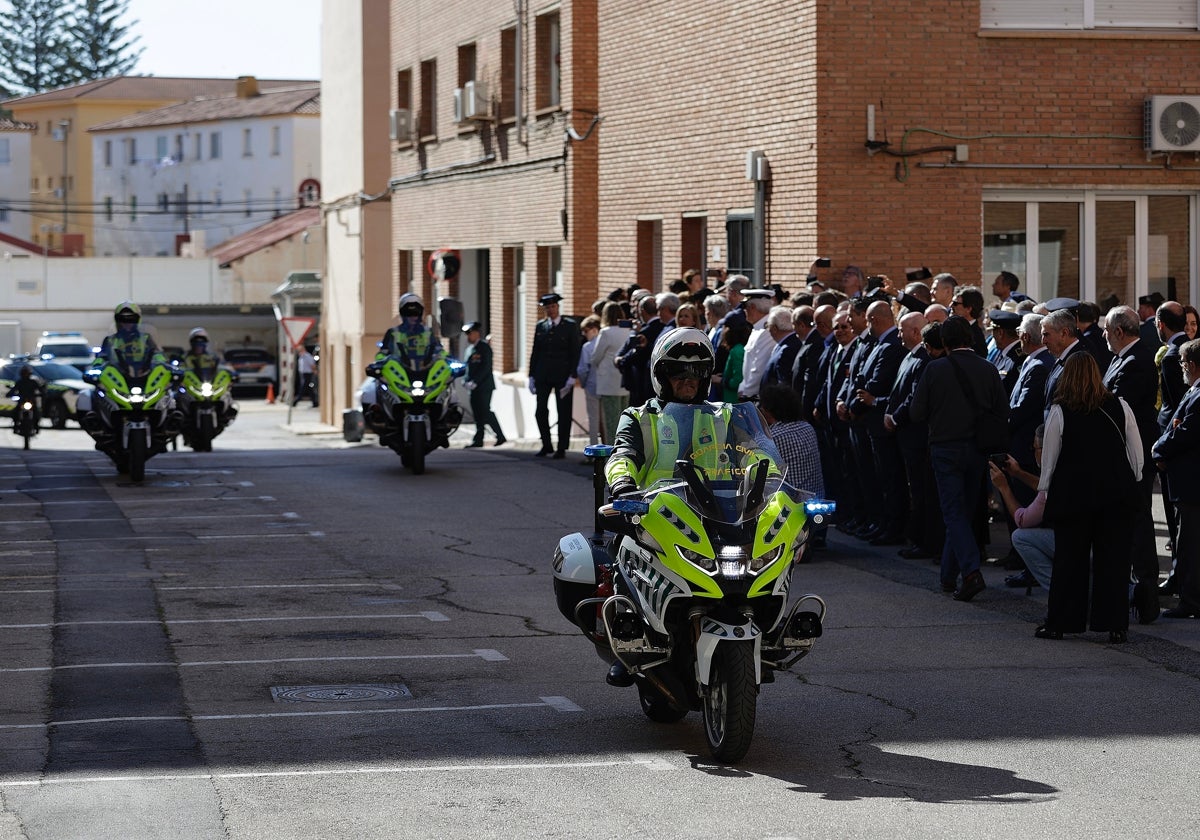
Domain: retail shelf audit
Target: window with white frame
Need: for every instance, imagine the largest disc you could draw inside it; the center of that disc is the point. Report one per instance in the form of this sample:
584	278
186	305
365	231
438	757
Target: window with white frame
1090	14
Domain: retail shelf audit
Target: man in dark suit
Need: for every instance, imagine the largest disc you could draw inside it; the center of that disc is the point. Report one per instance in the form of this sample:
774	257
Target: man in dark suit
778	370
814	327
1170	321
552	363
1008	346
1027	402
634	359
869	404
843	482
1060	334
860	441
1133	376
959	468
1177	451
968	303
1091	333
925	529
1147	310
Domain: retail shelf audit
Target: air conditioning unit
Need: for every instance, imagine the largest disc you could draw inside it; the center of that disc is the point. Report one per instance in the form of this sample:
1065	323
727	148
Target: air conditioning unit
476	104
1172	124
400	125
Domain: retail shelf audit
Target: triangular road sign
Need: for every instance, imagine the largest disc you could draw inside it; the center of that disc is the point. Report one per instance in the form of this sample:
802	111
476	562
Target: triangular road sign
296	328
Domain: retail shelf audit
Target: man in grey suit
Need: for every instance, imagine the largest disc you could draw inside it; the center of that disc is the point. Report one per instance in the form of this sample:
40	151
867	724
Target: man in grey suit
959	468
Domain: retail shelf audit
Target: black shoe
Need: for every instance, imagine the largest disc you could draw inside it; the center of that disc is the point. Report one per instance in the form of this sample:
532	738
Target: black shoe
1170	586
473	444
1117	637
1181	612
559	455
1044	632
850	526
1012	562
888	539
500	441
618	676
543	452
870	533
1024	580
972	585
914	552
949	587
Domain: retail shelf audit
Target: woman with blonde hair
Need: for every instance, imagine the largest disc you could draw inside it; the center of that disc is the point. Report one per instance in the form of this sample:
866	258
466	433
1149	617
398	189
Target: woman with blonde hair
1091	463
687	316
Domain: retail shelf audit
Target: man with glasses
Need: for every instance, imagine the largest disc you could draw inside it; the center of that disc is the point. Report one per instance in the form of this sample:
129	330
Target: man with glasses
968	303
841	475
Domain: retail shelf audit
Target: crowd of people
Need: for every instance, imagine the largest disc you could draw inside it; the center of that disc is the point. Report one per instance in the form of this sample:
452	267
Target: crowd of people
929	410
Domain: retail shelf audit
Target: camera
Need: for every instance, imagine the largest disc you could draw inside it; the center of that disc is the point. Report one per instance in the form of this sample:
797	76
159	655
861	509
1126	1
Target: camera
914	274
875	281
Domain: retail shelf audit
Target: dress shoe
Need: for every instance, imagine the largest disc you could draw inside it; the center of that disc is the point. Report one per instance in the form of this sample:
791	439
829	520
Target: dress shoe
849	526
543	452
1024	580
618	676
1181	612
948	587
1044	632
500	441
1117	637
913	552
559	455
887	539
473	444
972	585
1170	586
869	532
1145	602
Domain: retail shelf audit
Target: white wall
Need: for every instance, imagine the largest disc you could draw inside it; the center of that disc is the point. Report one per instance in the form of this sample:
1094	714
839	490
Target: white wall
14	184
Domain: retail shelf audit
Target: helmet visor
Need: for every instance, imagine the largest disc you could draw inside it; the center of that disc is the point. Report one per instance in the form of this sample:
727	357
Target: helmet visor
687	370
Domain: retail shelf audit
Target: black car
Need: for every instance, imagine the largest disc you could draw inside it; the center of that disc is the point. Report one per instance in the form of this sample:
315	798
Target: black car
62	386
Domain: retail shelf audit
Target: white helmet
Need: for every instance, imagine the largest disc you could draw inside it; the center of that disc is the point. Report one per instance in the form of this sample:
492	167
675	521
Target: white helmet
678	350
412	303
197	334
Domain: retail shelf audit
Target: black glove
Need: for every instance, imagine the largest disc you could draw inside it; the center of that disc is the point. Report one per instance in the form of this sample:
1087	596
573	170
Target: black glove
622	487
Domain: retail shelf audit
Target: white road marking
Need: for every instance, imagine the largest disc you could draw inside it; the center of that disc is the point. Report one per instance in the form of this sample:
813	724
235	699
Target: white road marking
156	502
386	587
434	616
171	622
485	655
267	715
651	763
159	538
561	704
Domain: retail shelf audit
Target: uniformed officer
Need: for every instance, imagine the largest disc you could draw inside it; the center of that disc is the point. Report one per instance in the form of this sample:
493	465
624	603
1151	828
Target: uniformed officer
130	349
203	363
557	343
1008	346
481	384
411	340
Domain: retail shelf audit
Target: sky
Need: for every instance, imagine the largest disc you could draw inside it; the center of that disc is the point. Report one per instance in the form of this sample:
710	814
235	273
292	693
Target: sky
270	39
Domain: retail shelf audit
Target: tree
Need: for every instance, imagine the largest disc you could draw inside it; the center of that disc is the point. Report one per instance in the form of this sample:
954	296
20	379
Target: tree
33	46
100	45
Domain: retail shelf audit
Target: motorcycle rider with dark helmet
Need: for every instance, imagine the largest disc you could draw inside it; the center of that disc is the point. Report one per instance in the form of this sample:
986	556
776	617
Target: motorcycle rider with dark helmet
198	359
130	349
411	340
27	388
650	438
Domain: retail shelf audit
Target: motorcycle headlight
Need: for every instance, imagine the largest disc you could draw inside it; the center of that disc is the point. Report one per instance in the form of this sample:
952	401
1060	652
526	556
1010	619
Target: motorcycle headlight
761	562
733	560
206	389
708	564
418	392
28	406
135	391
418	385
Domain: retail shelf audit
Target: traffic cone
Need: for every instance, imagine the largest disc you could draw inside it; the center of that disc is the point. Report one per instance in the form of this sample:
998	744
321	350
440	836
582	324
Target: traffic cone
270	393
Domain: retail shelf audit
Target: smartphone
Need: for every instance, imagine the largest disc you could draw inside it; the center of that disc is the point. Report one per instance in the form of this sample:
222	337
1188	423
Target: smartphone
874	282
626	323
915	274
823	262
999	459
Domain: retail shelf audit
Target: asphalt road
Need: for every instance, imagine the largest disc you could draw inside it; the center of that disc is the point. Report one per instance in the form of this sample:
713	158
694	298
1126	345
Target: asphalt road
184	658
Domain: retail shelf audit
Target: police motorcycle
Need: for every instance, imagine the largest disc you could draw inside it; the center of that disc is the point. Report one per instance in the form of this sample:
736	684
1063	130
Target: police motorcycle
685	587
130	412
205	400
24	419
409	401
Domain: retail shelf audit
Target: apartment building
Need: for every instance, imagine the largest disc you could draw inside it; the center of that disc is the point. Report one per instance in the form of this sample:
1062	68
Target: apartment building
14	178
205	170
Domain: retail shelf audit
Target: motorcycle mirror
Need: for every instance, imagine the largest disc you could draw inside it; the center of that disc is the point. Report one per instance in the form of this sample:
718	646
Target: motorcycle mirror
753	485
698	485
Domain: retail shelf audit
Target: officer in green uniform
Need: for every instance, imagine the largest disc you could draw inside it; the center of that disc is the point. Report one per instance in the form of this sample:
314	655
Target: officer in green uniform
411	340
557	343
481	383
198	360
652	437
130	349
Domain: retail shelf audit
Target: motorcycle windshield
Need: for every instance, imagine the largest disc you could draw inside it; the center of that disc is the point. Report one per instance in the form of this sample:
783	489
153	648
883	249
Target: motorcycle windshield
730	468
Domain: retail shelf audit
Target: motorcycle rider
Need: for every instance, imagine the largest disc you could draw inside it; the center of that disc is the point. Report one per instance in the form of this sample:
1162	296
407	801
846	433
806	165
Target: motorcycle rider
410	340
681	366
27	388
198	360
130	349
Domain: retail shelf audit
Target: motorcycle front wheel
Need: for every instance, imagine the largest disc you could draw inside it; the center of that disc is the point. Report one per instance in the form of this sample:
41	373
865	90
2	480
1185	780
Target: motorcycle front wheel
137	456
731	702
416	448
204	434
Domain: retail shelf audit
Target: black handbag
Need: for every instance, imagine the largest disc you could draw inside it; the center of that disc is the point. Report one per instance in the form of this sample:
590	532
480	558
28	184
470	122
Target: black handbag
991	430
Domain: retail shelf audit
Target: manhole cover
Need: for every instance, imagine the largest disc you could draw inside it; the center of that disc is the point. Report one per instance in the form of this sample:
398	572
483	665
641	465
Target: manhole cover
365	693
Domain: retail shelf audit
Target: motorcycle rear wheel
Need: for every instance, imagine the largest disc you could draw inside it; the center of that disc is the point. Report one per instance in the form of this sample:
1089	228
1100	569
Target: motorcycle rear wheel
731	702
416	448
137	457
657	707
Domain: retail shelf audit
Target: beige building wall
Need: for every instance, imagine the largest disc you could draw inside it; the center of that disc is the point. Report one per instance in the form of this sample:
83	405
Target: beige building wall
357	302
